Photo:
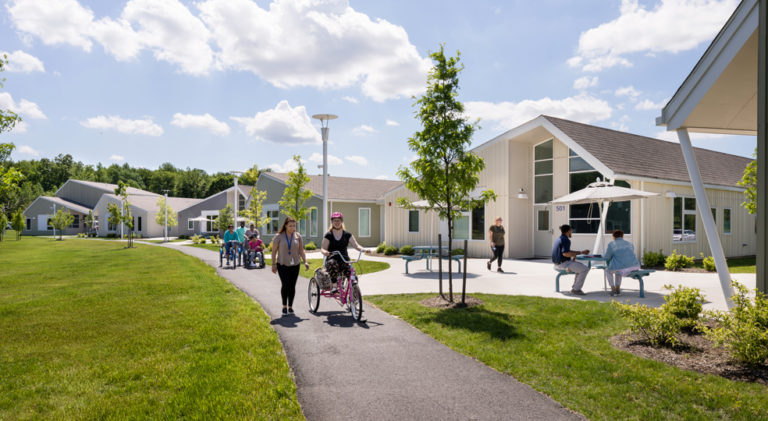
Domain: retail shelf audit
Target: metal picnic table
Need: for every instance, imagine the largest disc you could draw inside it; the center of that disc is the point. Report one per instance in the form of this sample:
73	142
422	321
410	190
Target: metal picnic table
428	252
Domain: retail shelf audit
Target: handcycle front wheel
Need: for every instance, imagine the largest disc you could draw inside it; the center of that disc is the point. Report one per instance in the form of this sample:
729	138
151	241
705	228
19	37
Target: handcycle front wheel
356	302
313	295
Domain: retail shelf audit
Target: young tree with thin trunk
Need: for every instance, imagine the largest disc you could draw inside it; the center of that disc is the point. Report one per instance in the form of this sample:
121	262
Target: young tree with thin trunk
89	220
445	172
255	210
749	182
3	225
160	216
295	195
61	220
225	219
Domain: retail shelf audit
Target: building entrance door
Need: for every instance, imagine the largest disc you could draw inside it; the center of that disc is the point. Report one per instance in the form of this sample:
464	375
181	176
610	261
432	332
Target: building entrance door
542	231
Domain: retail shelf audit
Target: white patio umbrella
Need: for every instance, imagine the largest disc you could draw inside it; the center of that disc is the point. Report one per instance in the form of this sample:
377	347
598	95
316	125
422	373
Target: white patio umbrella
601	192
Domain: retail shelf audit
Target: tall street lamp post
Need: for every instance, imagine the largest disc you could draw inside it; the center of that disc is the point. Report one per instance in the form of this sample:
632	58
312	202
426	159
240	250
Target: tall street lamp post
324	119
236	195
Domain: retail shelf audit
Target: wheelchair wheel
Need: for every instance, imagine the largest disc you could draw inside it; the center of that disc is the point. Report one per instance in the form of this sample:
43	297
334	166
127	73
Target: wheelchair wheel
313	295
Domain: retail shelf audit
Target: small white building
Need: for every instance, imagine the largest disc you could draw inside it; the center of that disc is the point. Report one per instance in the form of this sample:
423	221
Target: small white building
548	157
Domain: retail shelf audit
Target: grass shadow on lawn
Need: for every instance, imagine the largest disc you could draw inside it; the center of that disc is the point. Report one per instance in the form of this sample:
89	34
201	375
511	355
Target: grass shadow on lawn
477	319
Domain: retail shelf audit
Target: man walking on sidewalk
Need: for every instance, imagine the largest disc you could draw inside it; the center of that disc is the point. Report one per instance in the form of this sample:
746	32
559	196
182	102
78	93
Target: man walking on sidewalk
496	237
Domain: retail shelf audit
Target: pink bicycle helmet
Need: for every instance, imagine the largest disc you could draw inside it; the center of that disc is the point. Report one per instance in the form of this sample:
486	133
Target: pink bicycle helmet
337	215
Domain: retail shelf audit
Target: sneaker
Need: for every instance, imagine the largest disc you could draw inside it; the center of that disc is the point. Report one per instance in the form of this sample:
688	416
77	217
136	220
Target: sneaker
499	270
489	265
618	291
285	311
290	310
577	292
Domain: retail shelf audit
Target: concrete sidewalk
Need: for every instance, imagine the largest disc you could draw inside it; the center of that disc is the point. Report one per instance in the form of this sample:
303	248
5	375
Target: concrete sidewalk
383	369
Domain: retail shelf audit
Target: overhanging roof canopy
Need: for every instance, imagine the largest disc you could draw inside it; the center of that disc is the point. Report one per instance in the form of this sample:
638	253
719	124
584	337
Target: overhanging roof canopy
720	94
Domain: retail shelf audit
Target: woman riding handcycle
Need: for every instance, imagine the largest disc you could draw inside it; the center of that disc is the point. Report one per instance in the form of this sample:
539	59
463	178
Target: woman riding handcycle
337	277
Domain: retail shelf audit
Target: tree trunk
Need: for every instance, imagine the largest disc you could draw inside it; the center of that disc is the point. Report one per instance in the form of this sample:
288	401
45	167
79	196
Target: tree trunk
450	267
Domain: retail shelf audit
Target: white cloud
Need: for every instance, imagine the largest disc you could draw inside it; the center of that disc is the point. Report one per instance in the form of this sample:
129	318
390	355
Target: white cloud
201	121
165	27
622	124
628	91
27	150
25	108
359	160
282	124
585	82
647	105
320	43
670	26
392	123
382	177
507	115
317	158
144	126
21	62
288	165
363	130
350	99
116	158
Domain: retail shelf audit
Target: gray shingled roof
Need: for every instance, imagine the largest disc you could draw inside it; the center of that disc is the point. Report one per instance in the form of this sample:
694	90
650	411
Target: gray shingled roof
149	203
110	188
66	203
345	188
641	156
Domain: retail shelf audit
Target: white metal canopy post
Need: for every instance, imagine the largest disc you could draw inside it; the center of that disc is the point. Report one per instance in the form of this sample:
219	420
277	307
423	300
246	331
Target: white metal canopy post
702	204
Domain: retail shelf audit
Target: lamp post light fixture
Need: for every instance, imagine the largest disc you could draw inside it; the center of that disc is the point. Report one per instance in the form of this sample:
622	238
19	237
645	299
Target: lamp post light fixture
521	194
236	195
324	119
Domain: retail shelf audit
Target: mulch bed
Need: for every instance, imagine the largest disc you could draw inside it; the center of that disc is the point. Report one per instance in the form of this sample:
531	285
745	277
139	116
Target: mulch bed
439	302
696	353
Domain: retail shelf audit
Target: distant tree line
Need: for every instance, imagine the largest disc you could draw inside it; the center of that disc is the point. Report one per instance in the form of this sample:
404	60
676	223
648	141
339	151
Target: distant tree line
45	176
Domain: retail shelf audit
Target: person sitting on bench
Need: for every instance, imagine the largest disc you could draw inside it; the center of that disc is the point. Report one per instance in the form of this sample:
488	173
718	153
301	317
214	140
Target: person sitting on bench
562	258
621	260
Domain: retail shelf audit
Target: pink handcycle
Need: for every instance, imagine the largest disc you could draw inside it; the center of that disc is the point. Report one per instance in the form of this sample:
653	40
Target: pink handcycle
348	294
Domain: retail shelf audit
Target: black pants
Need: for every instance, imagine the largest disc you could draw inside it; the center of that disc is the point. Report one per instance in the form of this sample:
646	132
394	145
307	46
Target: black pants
288	276
497	254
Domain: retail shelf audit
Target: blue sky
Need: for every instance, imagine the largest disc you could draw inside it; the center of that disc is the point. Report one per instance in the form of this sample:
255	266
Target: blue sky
225	84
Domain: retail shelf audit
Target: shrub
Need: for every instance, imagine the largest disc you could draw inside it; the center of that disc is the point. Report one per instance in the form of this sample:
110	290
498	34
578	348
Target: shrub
111	235
380	248
657	326
214	239
195	239
744	330
456	252
183	237
654	259
686	304
310	246
708	262
390	250
676	261
406	250
81	235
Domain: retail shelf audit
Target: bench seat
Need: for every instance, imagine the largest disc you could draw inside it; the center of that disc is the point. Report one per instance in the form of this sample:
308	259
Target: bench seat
635	274
409	259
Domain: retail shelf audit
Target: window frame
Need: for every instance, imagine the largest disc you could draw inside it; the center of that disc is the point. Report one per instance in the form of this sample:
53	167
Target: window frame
313	213
684	212
75	222
418	221
730	221
360	222
190	224
28	227
551	174
470	228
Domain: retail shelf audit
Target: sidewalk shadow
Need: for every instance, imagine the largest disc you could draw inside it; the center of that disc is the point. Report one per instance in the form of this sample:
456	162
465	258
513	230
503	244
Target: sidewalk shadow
630	296
287	321
478	319
344	319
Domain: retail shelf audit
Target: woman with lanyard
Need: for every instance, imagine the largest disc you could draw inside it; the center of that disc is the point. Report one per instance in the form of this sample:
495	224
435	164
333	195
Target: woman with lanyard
287	256
337	239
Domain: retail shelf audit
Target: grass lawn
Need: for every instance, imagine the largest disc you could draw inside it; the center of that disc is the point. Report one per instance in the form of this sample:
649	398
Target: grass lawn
561	348
91	330
176	240
363	267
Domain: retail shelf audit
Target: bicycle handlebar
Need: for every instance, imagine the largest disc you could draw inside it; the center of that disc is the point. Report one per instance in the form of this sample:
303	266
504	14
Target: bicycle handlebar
360	254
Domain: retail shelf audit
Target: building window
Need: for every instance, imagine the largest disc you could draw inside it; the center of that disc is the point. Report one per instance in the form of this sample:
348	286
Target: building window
470	223
139	229
190	224
364	222
75	222
49	226
210	223
29	224
726	221
714	215
313	222
303	227
585	218
413	221
542	172
240	201
684	219
543	220
273	223
111	227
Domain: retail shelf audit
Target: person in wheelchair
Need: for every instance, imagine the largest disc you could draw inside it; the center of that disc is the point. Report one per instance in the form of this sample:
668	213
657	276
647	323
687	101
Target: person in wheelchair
338	239
255	249
229	237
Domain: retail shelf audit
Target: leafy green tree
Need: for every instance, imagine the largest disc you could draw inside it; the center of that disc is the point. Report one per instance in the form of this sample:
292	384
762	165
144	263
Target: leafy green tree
445	172
225	219
749	182
10	177
250	177
8	119
17	223
255	210
3	225
160	215
295	195
89	220
220	182
61	220
122	213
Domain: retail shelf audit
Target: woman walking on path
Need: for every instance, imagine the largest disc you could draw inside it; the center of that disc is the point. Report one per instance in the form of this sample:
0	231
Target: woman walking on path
287	256
496	237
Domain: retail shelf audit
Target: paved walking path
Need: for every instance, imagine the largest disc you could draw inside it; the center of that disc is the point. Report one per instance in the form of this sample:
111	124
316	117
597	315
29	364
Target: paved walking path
384	369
